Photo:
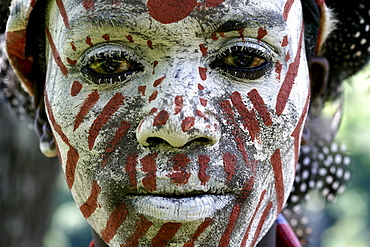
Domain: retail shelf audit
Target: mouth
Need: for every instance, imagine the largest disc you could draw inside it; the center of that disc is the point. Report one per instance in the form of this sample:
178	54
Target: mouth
179	208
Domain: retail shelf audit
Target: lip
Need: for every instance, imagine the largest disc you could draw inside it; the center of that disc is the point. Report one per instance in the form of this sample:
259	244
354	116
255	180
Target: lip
185	208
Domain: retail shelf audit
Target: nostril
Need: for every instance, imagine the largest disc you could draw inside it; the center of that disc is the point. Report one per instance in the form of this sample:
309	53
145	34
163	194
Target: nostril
154	141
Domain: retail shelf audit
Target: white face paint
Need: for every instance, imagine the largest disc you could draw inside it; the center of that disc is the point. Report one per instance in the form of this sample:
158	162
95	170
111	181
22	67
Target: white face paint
178	125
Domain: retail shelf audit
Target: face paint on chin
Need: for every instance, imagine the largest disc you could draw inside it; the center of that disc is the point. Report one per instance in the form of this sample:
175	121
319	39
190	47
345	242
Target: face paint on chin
167	136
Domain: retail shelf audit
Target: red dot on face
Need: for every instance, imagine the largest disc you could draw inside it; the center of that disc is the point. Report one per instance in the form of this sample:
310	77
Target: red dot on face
76	88
106	37
129	38
169	11
150	44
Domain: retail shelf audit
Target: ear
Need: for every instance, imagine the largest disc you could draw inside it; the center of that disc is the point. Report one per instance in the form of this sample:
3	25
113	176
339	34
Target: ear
43	130
319	73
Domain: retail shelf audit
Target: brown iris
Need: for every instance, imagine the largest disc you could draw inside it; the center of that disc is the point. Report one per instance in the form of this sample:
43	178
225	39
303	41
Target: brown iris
243	60
110	66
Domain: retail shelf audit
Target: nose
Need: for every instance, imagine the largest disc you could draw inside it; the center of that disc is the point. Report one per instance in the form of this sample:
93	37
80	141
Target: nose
178	130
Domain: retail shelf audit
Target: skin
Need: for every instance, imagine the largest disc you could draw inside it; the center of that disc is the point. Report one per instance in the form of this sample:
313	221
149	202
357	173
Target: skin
184	150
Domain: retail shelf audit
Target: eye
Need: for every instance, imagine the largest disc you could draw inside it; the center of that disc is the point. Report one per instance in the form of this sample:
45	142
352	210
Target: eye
243	62
109	65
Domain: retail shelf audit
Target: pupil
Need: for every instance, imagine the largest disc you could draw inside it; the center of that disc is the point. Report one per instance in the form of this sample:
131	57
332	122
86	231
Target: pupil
109	66
243	60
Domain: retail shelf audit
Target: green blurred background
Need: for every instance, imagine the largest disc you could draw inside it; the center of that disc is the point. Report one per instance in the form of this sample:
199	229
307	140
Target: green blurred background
347	221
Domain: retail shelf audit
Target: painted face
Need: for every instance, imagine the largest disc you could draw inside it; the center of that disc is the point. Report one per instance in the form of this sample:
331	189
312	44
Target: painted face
175	123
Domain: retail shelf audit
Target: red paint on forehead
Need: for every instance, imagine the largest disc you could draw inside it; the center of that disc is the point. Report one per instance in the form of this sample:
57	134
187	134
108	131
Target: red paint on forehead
106	37
165	233
73	45
141	228
289	80
246	235
169	11
161	118
287	7
88	41
203	102
158	81
71	62
109	109
154	65
153	96
260	107
129	38
55	53
149	165
88	4
279	179
229	161
179	175
91	203
76	88
85	108
116	218
141	89
201	228
203	161
203	73
150	44
130	168
179	103
261	33
203	49
63	13
261	222
187	123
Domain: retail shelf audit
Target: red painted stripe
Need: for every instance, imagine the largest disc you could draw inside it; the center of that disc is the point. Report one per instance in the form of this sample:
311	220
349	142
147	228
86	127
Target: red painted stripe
261	222
153	96
116	218
248	117
279	179
158	81
63	13
149	166
141	89
109	109
187	123
229	161
130	168
235	213
287	7
260	107
141	229
297	131
246	235
89	207
88	4
203	49
203	73
179	103
165	233
203	161
201	228
161	118
179	175
72	155
85	108
290	76
55	53
111	146
76	88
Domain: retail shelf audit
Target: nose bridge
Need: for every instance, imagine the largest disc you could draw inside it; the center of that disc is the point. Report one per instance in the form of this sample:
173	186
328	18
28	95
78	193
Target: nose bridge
177	116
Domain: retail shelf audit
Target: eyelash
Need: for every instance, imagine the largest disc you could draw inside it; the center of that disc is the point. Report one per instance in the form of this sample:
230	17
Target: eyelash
110	56
244	73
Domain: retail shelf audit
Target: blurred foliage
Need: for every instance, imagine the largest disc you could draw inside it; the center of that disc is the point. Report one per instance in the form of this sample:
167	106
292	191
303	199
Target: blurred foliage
347	221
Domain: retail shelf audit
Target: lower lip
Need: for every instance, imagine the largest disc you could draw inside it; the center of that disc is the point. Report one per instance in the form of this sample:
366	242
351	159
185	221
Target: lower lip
179	209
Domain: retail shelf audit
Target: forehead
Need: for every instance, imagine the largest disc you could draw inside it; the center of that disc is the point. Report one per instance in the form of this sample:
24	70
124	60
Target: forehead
205	16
